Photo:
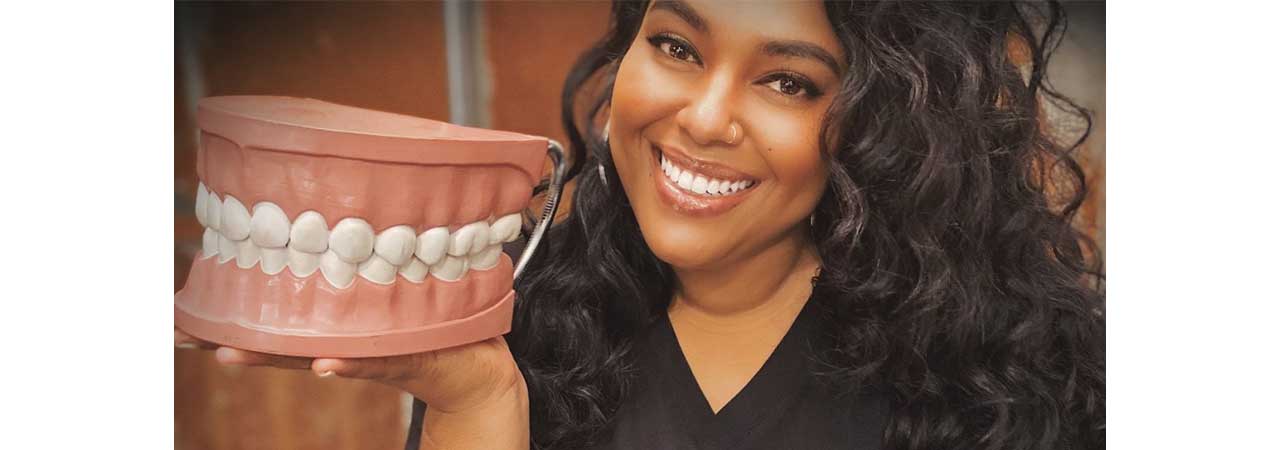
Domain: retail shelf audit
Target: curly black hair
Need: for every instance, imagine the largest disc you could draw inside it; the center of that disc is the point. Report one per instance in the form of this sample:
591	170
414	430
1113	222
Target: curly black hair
951	276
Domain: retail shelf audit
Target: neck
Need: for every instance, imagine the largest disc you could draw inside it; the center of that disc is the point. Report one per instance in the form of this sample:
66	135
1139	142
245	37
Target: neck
771	285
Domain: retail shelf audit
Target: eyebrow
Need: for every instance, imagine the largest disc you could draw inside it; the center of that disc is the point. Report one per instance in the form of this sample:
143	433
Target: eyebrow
684	11
801	49
789	48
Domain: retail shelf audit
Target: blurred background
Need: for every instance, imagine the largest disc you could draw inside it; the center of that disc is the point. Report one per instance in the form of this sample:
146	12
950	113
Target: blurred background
508	62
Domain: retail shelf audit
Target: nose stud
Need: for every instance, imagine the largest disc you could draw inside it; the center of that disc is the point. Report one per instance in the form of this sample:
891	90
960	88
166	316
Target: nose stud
733	133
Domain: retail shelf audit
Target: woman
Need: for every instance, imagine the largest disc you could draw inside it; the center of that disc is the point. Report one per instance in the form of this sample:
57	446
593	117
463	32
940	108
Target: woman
801	225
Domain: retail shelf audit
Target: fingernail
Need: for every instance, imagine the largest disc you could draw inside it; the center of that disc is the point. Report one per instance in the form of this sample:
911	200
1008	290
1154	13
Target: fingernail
325	374
188	345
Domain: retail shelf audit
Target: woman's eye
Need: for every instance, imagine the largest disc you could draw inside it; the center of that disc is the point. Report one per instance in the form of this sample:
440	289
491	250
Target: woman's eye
674	48
791	86
677	51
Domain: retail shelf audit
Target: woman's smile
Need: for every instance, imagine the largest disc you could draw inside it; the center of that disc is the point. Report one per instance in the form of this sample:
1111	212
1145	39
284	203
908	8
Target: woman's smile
696	187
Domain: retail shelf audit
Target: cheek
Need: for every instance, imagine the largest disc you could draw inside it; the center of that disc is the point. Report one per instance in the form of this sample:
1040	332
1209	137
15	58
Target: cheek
643	94
789	145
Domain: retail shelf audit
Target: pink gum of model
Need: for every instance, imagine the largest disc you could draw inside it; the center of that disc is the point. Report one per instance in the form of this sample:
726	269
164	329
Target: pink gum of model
340	161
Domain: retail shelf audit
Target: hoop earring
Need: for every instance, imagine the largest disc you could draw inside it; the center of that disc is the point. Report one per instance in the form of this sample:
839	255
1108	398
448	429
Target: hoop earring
600	168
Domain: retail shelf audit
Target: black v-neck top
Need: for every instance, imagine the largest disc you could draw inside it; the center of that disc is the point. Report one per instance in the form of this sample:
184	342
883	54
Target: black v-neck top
784	406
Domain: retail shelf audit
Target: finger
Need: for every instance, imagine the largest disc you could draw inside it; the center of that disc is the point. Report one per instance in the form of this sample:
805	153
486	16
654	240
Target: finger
390	369
186	341
238	357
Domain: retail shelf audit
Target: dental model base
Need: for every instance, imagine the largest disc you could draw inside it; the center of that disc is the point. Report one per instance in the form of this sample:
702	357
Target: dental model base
341	232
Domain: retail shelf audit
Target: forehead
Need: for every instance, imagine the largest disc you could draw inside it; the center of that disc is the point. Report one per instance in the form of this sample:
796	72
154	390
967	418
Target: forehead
757	20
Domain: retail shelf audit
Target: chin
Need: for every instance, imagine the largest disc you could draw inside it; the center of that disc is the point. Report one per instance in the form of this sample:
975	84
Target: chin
685	246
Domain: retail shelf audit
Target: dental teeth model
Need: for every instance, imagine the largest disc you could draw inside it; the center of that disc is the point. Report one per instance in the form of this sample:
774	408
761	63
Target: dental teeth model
342	232
266	236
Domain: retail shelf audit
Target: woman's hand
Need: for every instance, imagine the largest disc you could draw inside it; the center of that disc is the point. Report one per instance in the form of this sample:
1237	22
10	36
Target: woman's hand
474	392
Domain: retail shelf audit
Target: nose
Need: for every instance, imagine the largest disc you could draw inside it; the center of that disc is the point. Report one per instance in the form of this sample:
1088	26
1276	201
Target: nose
708	116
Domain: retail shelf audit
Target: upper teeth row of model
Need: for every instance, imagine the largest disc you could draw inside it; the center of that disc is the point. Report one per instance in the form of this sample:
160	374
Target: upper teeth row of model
701	184
306	244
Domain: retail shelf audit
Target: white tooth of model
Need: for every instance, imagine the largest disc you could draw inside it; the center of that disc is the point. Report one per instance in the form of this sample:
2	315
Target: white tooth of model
461	240
377	270
339	273
202	197
396	244
309	233
481	239
486	259
247	254
302	264
505	229
414	271
451	268
235	219
274	260
352	240
226	249
432	245
209	243
269	226
213	211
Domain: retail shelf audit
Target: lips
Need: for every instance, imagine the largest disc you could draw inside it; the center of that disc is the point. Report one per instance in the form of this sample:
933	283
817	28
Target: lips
698	188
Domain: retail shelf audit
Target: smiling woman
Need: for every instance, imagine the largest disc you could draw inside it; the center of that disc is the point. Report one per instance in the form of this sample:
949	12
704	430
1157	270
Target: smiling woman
722	93
816	225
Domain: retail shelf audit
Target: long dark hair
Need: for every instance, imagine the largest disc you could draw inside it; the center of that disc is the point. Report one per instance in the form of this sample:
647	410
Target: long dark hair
951	277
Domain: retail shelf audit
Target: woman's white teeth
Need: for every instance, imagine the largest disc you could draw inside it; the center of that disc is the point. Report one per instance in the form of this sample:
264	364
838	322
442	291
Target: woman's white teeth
309	233
352	240
713	187
701	184
685	180
267	238
269	227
